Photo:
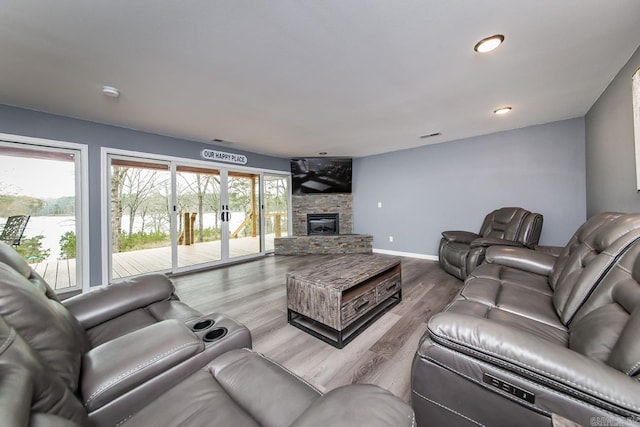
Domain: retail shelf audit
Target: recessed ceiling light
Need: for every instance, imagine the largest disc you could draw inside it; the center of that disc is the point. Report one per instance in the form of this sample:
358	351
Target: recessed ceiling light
110	91
488	44
502	110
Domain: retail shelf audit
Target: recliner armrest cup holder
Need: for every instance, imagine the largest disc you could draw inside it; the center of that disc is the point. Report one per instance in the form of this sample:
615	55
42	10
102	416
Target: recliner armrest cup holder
215	334
202	325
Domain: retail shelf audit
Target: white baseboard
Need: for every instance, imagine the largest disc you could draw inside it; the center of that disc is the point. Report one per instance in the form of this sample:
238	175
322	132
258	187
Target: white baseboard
407	254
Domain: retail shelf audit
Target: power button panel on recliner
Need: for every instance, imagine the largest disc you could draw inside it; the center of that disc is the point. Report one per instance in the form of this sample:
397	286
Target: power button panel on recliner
509	388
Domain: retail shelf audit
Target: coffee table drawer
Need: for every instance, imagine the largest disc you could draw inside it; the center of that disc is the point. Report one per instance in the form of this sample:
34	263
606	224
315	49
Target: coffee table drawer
388	287
357	307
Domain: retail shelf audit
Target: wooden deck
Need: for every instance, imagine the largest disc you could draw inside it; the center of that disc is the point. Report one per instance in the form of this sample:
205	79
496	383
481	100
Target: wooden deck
61	274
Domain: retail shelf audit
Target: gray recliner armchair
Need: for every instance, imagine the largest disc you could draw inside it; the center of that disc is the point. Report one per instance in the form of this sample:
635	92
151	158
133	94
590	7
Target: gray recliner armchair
462	251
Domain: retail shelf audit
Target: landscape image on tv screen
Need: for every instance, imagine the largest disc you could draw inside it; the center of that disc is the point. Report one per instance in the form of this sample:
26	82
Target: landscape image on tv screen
321	175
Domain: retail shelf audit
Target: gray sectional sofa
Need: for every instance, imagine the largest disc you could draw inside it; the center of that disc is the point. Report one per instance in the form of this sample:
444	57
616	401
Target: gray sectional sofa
132	354
533	339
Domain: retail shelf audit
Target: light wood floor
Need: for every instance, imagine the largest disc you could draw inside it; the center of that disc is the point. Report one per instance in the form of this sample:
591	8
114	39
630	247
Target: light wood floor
254	293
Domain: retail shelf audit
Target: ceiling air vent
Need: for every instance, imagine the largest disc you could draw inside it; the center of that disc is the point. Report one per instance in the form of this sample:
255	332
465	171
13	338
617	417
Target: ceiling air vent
429	135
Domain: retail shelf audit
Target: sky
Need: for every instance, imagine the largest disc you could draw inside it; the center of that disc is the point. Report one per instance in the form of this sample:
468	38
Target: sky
40	178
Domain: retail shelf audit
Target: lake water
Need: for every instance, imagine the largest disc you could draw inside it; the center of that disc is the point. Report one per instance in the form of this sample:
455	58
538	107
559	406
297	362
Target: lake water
54	227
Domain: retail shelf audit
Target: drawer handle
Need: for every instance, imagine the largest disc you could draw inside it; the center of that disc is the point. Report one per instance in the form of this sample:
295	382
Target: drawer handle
362	305
393	285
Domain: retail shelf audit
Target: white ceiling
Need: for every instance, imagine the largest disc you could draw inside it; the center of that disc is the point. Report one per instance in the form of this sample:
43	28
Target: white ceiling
296	77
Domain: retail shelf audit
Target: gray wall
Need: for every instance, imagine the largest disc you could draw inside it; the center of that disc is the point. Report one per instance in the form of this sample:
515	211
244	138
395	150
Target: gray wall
452	186
610	164
41	125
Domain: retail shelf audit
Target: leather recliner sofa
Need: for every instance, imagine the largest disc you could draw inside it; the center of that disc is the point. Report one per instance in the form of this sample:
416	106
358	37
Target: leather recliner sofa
462	251
238	388
109	311
533	339
171	372
124	372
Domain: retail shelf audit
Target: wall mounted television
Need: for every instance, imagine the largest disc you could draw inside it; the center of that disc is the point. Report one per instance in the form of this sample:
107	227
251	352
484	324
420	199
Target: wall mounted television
318	175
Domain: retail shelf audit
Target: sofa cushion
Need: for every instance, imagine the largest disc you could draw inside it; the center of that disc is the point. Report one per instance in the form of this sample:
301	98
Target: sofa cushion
239	388
512	298
199	400
140	318
503	275
578	248
607	326
48	328
119	326
14	260
625	355
108	373
556	333
26	385
588	265
264	389
104	303
504	223
597	333
348	405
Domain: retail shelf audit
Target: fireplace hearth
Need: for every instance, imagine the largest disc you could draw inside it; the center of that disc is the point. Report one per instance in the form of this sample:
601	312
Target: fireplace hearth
323	224
341	241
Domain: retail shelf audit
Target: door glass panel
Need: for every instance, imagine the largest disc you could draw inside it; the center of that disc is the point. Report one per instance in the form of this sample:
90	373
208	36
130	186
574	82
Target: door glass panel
41	183
140	217
198	215
275	209
244	218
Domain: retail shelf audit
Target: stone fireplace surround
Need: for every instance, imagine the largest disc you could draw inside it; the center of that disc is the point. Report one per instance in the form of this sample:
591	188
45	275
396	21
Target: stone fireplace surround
345	242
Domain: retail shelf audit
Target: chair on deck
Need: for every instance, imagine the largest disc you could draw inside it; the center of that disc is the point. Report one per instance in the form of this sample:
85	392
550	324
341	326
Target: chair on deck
13	229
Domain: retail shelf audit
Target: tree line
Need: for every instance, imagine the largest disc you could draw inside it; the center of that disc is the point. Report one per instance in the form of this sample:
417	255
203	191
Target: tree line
144	196
26	205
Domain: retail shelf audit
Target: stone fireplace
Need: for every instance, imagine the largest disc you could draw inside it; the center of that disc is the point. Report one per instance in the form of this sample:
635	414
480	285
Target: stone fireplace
337	203
307	238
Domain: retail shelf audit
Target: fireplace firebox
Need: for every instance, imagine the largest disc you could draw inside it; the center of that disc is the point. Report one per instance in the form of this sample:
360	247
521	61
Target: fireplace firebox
323	224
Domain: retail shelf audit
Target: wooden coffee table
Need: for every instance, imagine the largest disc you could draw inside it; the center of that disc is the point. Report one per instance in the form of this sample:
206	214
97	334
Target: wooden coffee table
335	300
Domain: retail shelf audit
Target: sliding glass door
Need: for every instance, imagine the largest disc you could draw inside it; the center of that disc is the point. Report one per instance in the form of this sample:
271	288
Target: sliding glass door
140	217
244	214
41	187
173	216
276	208
199	225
